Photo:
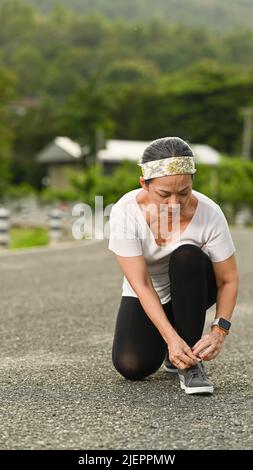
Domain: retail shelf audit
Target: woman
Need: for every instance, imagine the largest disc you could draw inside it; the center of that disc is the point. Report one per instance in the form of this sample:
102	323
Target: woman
176	252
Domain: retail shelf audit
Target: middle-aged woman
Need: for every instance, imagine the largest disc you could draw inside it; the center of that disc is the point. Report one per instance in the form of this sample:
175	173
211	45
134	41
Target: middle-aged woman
176	252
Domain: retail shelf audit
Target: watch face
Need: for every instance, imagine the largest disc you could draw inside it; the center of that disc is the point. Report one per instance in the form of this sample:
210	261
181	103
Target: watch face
224	323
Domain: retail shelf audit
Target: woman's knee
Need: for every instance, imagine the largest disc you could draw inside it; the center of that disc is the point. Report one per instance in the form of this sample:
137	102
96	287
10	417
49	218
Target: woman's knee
131	368
128	371
187	258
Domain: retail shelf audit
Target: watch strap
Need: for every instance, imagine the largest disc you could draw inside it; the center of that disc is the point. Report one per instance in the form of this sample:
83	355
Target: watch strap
221	330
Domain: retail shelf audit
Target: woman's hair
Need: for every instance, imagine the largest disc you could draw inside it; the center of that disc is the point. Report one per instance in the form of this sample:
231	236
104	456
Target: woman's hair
166	147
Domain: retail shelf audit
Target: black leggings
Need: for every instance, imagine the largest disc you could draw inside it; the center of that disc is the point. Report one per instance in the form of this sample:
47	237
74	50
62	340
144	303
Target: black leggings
138	347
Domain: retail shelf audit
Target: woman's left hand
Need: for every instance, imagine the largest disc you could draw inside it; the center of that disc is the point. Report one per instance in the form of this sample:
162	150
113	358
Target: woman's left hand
209	346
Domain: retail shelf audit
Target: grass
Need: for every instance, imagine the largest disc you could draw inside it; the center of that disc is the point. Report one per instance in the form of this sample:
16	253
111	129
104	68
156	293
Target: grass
28	237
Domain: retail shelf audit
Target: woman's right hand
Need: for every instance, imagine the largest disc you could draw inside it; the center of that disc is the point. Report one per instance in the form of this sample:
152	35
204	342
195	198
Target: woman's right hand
180	354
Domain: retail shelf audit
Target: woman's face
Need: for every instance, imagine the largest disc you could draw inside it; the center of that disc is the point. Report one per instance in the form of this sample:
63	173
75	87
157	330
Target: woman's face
169	190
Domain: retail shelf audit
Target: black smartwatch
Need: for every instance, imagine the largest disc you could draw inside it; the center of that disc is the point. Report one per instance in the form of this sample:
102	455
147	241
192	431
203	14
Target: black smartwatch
222	323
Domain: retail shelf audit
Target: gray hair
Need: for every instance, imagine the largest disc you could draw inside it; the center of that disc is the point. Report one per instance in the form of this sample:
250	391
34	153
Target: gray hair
166	147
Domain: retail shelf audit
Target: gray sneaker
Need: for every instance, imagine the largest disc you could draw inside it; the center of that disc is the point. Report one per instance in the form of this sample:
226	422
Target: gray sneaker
195	380
169	366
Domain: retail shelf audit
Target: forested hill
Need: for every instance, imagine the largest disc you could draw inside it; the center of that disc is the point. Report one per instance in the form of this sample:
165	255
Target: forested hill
215	15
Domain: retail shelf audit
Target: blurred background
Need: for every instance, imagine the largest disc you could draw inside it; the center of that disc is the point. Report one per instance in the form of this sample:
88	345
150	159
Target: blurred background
86	85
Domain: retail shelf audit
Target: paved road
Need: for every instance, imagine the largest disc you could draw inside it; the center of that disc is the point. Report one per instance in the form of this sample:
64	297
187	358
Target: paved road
58	387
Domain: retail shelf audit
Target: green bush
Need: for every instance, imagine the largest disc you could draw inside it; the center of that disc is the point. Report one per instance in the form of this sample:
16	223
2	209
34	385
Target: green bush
93	182
50	195
229	184
20	191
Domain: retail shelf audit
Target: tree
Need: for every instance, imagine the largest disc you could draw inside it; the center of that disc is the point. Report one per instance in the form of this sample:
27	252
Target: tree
87	110
6	91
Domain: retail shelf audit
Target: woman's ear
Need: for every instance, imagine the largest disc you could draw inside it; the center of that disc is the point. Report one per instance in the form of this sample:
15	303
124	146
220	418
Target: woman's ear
143	184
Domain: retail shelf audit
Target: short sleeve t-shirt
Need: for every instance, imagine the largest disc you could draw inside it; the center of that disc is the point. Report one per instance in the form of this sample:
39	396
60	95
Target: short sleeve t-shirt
130	235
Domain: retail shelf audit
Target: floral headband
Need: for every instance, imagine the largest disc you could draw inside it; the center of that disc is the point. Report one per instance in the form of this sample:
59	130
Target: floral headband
168	166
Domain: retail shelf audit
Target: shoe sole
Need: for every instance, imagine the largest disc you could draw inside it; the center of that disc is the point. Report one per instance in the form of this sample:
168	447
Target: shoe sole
208	389
171	371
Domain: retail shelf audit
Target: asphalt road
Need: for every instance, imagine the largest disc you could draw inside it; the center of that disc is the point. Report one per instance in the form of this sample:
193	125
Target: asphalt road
58	386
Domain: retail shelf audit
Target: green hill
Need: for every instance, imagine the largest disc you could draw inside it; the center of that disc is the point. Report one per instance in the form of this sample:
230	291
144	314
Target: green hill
214	15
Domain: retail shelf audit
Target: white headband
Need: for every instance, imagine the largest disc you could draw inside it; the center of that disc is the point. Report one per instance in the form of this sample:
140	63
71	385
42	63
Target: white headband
168	166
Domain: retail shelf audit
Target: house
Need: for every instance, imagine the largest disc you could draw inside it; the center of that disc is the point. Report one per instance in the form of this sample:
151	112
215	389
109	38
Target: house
132	150
60	156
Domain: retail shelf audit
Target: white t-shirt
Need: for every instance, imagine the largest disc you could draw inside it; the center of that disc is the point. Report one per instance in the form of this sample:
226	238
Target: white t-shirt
130	235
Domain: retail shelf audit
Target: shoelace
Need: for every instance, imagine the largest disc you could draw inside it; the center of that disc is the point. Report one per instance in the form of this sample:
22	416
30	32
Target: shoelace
197	371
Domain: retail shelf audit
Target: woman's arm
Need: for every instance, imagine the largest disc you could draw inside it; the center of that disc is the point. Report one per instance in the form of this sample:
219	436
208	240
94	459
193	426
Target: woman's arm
136	272
227	280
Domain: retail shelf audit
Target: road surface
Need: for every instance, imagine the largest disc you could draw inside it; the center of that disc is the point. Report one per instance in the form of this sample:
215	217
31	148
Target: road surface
58	386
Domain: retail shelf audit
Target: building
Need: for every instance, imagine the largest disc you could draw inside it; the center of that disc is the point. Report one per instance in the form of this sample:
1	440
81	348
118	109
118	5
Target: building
58	158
